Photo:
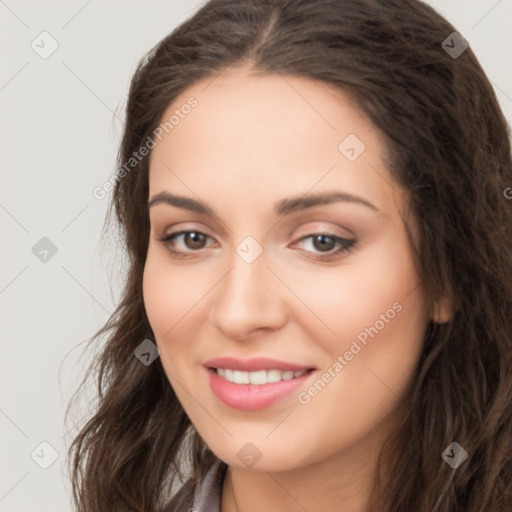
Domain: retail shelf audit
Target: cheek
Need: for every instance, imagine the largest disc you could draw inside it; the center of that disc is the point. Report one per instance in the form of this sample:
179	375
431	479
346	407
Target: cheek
379	328
159	298
170	298
169	291
372	330
374	289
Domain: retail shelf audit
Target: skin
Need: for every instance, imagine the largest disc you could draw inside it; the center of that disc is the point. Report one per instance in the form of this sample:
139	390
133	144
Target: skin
253	140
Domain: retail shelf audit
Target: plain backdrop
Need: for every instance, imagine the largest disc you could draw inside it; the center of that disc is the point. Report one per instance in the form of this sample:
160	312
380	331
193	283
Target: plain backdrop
61	119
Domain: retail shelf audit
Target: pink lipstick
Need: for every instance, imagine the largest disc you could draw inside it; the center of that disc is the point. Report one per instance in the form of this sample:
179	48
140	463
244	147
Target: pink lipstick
254	384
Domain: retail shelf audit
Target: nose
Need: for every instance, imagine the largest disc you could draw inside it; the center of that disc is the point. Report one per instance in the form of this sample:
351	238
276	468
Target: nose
248	298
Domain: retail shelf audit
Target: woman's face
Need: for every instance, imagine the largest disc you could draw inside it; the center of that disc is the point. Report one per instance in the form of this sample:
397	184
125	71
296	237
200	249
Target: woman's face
254	154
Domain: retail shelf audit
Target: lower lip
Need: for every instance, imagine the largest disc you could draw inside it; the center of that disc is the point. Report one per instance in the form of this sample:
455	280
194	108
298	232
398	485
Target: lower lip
253	397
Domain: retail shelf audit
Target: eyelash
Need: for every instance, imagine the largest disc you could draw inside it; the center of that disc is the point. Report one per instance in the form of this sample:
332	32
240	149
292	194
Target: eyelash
345	244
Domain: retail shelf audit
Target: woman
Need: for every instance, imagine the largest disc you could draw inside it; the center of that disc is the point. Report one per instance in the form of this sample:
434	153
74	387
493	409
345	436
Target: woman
313	201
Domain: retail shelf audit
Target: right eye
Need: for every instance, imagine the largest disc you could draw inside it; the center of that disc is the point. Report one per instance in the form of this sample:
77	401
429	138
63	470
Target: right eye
193	239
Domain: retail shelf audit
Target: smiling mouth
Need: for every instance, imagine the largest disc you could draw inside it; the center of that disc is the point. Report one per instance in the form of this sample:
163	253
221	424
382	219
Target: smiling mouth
255	384
259	377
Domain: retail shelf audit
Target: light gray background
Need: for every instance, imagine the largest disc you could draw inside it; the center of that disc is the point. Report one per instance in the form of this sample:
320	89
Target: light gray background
61	121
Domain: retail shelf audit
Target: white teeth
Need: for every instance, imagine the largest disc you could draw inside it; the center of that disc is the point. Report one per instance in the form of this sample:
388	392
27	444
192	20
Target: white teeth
258	377
273	375
240	377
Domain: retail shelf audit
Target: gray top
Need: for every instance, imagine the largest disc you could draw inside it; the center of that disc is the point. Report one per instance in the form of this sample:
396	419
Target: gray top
208	494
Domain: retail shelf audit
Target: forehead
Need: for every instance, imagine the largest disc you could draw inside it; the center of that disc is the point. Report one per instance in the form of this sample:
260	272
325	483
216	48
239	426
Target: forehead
269	136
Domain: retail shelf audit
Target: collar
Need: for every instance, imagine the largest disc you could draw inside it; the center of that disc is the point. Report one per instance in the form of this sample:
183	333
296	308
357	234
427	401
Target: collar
208	493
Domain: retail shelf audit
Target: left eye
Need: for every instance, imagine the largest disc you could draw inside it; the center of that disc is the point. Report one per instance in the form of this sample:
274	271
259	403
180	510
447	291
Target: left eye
319	240
323	242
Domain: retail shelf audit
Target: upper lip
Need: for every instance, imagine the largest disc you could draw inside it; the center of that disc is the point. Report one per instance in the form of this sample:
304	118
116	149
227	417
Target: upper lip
254	364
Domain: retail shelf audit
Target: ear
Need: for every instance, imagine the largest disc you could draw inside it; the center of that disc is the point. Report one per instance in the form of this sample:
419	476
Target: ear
442	310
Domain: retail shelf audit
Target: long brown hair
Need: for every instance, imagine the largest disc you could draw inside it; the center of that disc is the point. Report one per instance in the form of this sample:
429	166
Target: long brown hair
450	148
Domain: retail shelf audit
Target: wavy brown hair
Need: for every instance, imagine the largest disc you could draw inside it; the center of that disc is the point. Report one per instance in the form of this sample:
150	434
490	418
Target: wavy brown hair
450	148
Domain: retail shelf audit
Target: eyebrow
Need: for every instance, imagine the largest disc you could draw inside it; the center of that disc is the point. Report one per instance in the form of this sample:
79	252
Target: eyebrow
281	207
